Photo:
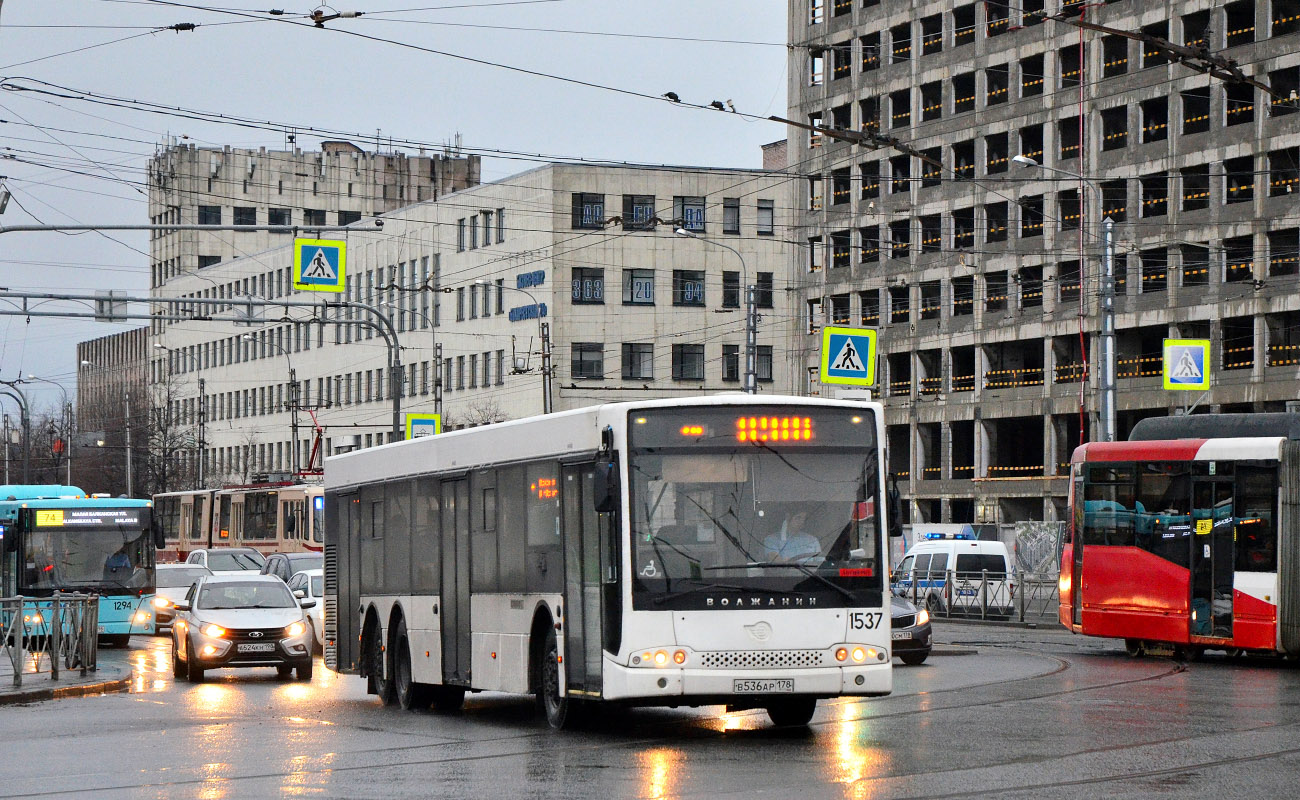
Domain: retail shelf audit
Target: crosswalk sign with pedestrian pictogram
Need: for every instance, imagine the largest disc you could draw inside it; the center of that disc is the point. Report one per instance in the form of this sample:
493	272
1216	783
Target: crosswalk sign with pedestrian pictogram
848	356
319	265
1187	364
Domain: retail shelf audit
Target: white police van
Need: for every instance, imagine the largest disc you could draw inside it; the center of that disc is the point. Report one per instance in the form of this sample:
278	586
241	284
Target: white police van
957	574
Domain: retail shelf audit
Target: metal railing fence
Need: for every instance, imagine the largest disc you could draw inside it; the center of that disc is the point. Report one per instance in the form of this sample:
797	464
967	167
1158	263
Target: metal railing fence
41	635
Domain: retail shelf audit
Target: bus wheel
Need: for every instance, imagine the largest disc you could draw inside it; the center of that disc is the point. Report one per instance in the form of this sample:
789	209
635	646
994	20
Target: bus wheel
411	696
560	711
1134	648
380	678
795	711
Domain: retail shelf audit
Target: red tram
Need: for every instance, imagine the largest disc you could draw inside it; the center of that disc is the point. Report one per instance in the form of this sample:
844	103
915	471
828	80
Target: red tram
1187	536
269	516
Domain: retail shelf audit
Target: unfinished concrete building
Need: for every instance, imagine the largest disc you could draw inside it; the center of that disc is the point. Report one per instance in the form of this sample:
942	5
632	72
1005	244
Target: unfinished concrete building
983	275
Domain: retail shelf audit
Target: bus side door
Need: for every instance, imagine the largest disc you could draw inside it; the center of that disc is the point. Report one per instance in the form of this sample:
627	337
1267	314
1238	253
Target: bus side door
457	643
588	558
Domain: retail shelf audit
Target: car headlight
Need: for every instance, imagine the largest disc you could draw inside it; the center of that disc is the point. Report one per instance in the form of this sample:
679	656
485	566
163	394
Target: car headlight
296	629
161	602
923	617
215	631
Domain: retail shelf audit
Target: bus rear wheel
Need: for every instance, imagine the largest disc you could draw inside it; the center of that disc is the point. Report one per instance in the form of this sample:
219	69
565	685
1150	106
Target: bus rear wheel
561	712
411	696
792	712
380	678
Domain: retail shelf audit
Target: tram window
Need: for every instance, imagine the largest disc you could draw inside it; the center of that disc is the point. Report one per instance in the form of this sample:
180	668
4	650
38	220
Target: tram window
1162	518
1108	506
1256	531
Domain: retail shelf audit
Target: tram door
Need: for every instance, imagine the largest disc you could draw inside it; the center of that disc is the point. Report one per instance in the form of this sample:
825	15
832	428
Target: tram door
1213	522
1076	550
457	649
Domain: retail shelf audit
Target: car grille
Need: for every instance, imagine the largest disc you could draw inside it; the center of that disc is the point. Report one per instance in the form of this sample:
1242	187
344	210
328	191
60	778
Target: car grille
246	635
906	621
761	659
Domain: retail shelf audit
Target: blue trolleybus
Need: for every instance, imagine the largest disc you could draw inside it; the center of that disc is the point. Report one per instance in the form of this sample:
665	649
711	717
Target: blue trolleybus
57	539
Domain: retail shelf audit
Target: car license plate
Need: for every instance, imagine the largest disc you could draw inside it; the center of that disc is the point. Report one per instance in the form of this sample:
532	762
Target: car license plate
256	647
775	685
902	634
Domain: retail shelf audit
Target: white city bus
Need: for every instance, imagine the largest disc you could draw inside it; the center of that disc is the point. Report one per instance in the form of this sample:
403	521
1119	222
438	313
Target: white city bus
711	550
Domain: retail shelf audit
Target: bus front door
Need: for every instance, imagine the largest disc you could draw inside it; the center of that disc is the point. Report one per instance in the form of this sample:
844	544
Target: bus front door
457	648
582	582
1212	555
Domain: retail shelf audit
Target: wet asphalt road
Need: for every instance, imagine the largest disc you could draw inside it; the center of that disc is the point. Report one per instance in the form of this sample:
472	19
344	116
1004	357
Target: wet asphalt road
1035	714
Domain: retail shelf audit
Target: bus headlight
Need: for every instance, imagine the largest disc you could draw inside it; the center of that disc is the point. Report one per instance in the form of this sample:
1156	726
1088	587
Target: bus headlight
141	617
34	618
215	631
859	654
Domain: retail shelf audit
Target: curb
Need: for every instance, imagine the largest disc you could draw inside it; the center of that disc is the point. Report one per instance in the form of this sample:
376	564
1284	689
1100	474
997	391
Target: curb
954	650
61	692
1045	624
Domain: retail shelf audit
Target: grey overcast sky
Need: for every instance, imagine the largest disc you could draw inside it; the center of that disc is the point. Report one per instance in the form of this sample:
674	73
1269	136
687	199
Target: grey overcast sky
74	162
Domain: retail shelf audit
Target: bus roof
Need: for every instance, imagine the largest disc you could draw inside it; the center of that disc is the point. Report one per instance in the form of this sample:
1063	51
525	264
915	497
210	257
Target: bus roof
35	491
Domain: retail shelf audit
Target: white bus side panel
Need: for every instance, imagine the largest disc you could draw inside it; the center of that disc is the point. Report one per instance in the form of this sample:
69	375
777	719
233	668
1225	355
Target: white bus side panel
424	630
501	625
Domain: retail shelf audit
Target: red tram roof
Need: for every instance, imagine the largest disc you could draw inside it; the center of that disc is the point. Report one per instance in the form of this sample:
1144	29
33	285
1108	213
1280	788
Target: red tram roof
1166	450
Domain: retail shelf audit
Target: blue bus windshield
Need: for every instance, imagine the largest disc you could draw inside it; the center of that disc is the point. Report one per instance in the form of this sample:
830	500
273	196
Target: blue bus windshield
104	561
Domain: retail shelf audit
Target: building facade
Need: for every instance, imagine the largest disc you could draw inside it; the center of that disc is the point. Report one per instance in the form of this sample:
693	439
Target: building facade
984	275
562	286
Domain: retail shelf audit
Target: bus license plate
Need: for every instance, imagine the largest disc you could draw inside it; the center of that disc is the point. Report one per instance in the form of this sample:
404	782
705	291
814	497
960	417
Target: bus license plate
775	685
902	634
257	647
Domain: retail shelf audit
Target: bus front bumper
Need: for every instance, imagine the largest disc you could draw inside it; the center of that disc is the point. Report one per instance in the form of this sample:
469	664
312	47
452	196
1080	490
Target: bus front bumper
707	686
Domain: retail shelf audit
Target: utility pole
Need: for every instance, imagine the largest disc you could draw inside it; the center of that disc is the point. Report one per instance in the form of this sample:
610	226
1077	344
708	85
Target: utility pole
751	338
1108	430
437	380
127	425
203	442
6	427
293	425
547	403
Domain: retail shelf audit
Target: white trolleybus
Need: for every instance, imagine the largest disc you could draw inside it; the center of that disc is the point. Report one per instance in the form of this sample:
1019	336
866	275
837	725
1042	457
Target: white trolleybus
714	550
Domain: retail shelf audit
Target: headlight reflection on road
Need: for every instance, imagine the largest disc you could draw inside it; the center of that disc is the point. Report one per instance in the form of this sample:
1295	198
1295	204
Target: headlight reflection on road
852	762
658	772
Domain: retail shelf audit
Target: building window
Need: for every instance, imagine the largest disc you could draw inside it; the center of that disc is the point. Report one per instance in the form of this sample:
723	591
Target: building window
473	302
501	225
766	221
473	233
209	215
731	362
588	285
731	290
763	290
278	216
638	361
460	304
313	216
688	362
688	287
588	360
460	235
501	296
638	287
731	215
638	212
349	217
209	261
245	215
690	212
588	211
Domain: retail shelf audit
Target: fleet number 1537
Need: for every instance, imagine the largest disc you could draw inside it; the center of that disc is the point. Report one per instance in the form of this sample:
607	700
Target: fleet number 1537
865	620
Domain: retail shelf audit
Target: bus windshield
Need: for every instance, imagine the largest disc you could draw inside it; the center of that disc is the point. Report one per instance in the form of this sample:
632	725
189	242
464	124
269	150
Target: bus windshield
69	559
723	512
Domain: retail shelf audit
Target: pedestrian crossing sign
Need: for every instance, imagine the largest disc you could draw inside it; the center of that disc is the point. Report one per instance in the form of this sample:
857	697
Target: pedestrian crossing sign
418	425
848	356
1187	364
319	265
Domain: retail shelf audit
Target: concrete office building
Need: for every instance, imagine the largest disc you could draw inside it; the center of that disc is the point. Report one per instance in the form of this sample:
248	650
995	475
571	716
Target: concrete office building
986	295
587	254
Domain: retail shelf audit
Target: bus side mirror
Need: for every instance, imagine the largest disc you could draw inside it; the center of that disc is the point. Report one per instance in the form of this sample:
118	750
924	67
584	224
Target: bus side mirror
895	502
605	492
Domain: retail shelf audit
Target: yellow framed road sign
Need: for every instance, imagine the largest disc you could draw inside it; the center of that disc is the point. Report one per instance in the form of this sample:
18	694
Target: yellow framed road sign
849	356
320	265
1187	364
418	425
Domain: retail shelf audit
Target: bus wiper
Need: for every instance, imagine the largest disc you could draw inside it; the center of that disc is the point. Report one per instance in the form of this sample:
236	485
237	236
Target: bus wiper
788	565
706	586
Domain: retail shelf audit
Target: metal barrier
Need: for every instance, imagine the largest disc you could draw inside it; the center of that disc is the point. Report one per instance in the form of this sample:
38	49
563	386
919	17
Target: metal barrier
1038	599
40	635
971	595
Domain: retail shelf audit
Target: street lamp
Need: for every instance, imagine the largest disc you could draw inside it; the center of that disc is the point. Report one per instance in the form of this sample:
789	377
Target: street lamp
751	312
1108	428
543	332
203	406
67	423
293	395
